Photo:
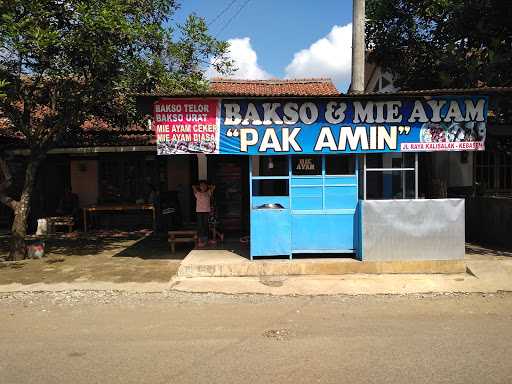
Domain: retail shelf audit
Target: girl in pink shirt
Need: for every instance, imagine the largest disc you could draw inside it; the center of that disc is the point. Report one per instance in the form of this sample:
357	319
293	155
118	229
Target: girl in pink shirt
203	193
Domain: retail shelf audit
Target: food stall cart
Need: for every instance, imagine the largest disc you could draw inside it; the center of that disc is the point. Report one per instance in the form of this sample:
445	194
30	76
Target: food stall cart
325	174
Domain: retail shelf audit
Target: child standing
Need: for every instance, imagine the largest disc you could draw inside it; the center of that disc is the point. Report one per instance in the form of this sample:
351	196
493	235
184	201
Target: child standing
203	193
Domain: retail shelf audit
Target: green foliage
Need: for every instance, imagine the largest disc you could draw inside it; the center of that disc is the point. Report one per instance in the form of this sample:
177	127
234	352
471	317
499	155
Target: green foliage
62	61
442	43
3	85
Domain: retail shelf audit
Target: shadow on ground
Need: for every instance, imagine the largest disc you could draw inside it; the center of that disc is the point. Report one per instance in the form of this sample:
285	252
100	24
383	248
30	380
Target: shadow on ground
99	256
81	244
155	247
479	250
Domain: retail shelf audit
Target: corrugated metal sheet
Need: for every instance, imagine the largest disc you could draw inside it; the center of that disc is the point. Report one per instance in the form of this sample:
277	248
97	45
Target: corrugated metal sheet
442	91
413	229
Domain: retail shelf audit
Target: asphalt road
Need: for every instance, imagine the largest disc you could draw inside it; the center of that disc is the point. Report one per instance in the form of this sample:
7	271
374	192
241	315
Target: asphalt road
180	338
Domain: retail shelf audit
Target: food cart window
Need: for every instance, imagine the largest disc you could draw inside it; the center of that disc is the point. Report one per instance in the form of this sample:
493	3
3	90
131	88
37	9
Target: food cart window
340	164
390	160
390	176
307	165
273	187
270	165
390	185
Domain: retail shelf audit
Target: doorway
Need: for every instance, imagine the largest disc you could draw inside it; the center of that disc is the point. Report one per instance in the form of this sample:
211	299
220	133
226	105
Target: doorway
230	175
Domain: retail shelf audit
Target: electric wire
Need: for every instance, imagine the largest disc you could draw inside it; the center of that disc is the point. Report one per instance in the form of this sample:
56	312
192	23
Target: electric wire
222	12
226	24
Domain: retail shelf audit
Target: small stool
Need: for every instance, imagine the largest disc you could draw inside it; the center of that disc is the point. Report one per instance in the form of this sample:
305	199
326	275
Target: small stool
184	236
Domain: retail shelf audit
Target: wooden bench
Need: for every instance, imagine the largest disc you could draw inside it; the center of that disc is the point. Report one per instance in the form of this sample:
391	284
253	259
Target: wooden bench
183	236
60	221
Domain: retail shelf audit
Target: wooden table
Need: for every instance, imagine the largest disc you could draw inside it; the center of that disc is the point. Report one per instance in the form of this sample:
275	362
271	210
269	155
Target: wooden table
118	208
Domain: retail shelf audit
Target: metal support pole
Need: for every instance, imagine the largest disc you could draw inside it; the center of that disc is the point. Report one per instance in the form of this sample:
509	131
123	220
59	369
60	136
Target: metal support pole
404	177
364	177
404	186
290	172
250	204
358	46
416	175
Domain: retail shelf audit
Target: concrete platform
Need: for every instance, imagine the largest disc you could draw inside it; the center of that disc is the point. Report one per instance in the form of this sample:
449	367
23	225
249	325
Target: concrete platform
223	263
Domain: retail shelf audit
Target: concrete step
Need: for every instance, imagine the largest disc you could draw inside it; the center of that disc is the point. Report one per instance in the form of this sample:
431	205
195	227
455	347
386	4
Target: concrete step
218	263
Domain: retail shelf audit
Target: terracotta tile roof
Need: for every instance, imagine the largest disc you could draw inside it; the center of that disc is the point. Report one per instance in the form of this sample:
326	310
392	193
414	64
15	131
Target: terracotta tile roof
221	87
275	87
91	138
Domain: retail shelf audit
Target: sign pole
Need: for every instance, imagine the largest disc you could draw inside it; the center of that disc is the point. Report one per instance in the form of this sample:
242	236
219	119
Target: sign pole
358	46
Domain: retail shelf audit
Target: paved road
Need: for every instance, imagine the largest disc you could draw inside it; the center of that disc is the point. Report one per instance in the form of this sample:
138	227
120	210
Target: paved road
183	338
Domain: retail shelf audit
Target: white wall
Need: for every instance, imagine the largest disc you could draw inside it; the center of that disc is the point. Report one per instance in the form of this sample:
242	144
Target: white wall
448	166
84	180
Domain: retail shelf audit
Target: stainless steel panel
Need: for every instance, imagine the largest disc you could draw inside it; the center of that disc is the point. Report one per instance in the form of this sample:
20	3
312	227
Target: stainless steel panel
413	229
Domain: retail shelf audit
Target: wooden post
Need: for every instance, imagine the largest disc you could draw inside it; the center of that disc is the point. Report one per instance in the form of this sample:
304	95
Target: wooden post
85	219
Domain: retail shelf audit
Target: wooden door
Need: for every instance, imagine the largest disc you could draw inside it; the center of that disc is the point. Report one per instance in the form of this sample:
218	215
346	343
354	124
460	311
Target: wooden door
226	173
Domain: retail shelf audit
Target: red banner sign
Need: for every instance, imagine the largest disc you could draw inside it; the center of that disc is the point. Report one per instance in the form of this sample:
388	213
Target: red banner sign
186	126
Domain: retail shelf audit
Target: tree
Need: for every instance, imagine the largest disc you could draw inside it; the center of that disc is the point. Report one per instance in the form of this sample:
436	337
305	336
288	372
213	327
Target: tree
63	61
442	43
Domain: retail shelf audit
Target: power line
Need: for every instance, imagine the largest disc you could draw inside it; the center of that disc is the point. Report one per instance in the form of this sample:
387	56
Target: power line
226	24
222	12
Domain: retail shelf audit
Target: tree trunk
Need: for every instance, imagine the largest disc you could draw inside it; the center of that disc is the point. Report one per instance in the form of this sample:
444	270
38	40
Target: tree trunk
18	247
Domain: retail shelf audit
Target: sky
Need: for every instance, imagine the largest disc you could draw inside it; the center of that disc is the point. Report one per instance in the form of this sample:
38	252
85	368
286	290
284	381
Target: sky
281	38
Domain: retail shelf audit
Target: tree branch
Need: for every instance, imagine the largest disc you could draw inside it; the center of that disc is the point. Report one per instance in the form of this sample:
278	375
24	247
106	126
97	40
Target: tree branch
7	178
5	184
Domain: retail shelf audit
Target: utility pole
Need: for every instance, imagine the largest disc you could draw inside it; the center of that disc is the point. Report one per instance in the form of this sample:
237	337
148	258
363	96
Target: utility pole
358	46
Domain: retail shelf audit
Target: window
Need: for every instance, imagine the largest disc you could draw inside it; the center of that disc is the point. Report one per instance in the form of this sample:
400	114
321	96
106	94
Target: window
128	179
390	176
270	165
390	160
262	187
307	165
390	185
340	165
270	175
493	170
323	182
316	182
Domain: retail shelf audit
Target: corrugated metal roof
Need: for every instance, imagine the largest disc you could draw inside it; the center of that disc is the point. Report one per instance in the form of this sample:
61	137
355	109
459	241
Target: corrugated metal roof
441	91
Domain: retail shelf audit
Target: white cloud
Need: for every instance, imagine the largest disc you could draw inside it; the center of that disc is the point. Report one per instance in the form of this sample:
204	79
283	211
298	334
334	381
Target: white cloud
246	60
331	56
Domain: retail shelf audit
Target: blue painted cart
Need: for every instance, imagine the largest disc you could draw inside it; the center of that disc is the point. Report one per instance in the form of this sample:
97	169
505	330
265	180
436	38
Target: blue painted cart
311	208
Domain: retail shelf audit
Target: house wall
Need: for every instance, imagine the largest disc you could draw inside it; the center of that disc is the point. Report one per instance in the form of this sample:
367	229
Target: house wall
488	221
448	166
84	180
461	173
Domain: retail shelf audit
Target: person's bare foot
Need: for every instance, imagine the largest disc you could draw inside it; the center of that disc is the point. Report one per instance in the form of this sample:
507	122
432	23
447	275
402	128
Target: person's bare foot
201	244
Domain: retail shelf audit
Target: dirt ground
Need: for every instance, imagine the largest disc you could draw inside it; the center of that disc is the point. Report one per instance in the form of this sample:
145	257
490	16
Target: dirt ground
99	256
114	337
121	257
